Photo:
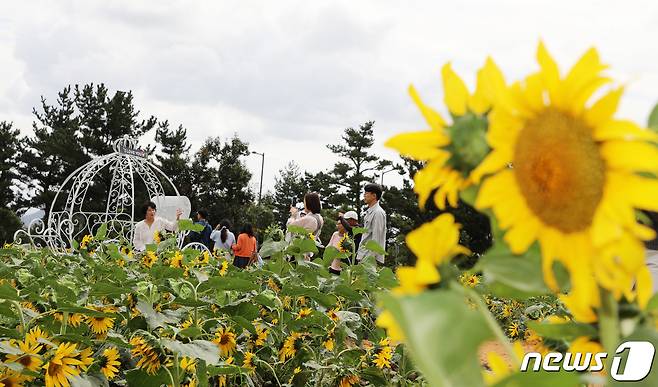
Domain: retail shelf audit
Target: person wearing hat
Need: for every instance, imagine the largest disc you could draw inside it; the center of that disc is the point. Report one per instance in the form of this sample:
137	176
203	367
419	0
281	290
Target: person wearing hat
345	224
374	220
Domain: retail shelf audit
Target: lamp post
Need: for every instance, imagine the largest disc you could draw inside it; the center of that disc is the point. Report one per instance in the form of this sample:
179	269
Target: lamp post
382	176
262	166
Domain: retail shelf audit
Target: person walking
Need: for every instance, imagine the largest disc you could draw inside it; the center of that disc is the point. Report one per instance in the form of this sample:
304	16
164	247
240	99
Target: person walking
246	247
222	236
145	230
374	220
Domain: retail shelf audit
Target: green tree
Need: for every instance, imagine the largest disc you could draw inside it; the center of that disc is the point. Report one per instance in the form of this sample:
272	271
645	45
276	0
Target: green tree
8	160
82	124
221	179
175	159
53	152
404	215
289	188
9	177
358	165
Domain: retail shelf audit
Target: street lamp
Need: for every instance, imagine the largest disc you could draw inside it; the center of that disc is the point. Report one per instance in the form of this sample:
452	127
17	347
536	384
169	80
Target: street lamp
262	166
383	173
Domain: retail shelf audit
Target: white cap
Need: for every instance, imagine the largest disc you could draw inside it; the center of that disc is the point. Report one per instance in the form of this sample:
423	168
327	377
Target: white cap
351	215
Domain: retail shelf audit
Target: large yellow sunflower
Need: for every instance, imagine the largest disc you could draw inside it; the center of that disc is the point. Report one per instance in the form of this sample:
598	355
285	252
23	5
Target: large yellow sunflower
451	151
30	358
100	325
149	357
225	340
109	363
566	173
62	366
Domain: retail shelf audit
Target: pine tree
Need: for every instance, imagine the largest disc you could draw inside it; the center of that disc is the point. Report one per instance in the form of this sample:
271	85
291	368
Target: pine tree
221	180
289	188
175	160
53	152
8	160
358	165
81	125
9	222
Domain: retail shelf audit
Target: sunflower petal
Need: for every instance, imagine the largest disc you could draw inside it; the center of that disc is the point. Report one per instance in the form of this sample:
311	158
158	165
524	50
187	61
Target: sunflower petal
455	91
422	145
631	156
432	117
603	109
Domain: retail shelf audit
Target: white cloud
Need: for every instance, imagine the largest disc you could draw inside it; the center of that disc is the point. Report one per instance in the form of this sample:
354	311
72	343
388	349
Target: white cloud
289	76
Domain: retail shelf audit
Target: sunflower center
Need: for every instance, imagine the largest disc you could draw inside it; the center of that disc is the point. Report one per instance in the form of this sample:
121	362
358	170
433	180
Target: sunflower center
53	369
25	361
224	340
559	170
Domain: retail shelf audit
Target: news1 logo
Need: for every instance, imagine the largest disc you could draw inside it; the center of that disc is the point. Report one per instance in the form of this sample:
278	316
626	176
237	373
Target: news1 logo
638	361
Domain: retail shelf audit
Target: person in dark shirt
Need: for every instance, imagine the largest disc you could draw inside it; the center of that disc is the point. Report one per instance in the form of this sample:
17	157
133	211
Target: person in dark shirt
204	235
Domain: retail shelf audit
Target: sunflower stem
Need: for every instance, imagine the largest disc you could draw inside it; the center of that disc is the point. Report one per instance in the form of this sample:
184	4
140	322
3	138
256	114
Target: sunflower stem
65	320
609	324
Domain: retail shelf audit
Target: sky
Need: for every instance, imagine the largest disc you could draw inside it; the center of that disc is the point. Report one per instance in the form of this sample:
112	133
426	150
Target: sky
289	76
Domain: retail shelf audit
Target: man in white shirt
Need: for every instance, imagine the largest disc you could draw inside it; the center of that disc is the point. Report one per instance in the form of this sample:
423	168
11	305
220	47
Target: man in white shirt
374	220
145	230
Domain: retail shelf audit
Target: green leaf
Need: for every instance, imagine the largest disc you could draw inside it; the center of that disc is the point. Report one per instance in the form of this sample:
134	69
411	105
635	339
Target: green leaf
347	292
567	331
358	230
154	319
223	370
517	277
653	119
191	332
137	377
443	334
189	225
330	253
196	349
101	233
297	230
11	333
8	293
228	283
387	278
374	247
107	289
163	272
271	247
88	381
306	246
541	379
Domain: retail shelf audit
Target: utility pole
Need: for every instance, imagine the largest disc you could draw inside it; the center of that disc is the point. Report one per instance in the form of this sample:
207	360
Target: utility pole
262	167
382	176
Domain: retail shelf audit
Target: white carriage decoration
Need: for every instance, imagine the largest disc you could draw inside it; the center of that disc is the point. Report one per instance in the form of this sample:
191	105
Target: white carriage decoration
69	219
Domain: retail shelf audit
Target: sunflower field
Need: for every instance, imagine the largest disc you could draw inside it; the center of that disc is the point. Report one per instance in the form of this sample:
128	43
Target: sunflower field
103	315
561	179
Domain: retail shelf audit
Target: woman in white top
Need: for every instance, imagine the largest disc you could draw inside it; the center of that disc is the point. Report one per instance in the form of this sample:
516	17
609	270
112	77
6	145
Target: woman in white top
145	230
312	220
222	236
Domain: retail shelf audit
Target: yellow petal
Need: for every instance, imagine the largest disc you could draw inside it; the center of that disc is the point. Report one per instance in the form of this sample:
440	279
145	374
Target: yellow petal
631	156
432	117
495	161
550	73
422	145
623	130
455	91
603	109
